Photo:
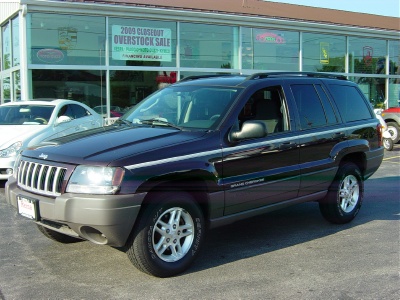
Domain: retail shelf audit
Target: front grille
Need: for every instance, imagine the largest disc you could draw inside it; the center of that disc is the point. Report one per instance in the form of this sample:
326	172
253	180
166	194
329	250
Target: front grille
40	178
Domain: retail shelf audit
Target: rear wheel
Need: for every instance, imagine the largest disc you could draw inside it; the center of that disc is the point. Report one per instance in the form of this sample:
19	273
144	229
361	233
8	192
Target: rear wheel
387	144
345	195
168	235
56	236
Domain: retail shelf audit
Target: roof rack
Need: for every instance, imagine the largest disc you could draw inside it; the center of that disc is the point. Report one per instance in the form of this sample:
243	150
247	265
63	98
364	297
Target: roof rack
306	74
194	77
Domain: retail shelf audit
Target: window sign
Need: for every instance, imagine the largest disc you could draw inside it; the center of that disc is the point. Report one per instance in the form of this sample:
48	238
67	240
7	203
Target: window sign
141	43
324	53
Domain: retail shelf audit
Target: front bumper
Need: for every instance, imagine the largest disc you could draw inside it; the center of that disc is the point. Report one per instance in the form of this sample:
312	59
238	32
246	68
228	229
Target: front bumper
101	219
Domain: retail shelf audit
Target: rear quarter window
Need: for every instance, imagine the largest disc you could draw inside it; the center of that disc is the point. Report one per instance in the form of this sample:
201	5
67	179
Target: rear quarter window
351	104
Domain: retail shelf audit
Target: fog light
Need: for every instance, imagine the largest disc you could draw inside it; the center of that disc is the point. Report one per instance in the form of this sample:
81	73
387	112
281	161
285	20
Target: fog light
9	171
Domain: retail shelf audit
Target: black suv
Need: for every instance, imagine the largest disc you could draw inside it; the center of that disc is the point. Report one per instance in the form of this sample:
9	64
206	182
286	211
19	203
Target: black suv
201	153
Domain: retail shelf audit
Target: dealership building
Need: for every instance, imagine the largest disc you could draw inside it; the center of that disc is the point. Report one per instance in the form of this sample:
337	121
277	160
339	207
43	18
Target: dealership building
115	53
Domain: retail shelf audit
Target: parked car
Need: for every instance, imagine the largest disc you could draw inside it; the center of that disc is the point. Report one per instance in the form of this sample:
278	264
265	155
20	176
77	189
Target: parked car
392	119
201	153
115	111
26	123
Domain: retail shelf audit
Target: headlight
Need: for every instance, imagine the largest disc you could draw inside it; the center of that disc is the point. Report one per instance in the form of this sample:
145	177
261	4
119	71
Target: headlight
95	180
11	151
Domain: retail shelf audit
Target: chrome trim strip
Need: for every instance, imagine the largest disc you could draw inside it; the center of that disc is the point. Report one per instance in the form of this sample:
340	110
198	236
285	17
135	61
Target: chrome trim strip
243	147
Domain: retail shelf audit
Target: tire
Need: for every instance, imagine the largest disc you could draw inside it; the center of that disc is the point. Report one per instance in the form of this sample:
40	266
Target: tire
387	144
344	198
394	129
56	236
161	244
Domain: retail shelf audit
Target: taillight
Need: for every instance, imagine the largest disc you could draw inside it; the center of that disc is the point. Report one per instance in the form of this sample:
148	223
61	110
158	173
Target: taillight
379	131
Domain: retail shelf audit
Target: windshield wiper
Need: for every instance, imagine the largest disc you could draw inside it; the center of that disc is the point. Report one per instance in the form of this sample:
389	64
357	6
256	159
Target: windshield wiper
123	121
159	122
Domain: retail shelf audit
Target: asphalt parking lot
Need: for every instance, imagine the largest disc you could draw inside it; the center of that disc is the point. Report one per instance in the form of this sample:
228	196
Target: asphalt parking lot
289	254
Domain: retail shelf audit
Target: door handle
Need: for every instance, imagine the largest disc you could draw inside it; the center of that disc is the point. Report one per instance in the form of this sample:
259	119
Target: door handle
339	135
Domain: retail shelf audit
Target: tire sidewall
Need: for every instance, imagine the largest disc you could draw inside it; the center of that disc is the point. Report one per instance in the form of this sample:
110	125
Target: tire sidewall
152	214
347	170
388	144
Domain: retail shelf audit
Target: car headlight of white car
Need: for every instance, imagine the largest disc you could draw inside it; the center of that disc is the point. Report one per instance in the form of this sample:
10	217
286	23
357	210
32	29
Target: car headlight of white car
11	150
95	180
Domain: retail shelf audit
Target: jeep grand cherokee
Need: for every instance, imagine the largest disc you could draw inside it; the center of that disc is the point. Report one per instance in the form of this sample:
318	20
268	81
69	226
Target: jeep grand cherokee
198	154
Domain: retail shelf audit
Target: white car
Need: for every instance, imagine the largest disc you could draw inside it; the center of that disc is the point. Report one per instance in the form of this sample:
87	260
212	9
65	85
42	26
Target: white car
25	123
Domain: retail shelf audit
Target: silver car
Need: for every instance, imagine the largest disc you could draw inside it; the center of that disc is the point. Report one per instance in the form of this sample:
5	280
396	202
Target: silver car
25	123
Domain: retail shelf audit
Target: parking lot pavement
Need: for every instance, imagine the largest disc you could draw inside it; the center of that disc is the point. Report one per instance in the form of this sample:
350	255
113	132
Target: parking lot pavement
289	254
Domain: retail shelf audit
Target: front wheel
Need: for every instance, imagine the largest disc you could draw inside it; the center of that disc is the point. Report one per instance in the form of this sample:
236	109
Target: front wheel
167	236
345	195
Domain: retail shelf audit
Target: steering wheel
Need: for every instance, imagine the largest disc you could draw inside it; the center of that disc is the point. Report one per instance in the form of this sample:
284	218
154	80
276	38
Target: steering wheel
214	117
41	120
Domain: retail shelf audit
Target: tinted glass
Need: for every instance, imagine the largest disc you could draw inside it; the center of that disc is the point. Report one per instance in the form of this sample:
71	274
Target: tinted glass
309	106
329	113
350	103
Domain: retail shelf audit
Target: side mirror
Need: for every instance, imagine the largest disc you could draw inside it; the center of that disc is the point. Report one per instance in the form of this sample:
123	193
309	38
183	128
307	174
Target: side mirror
250	130
62	119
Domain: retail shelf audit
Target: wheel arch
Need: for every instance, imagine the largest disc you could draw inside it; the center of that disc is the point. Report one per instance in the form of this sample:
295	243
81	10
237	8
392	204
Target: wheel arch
357	158
198	184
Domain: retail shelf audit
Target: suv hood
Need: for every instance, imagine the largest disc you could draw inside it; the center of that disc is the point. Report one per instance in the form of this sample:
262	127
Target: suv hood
14	133
107	144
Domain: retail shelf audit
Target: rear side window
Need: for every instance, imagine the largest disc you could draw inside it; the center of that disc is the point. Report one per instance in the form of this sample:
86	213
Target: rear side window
312	112
350	103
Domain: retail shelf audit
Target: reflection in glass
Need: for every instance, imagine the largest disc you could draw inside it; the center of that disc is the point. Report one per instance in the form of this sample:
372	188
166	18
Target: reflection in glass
394	93
267	49
130	87
15	41
6	40
373	88
208	46
84	86
66	39
323	53
367	55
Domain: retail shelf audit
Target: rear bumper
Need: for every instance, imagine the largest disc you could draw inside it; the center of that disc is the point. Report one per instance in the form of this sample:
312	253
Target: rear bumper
101	219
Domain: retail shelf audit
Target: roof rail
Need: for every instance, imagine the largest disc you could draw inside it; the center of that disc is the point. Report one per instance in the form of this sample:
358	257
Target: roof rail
306	74
194	77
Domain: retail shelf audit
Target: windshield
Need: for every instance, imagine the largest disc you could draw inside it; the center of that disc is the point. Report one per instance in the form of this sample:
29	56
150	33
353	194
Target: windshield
25	114
184	106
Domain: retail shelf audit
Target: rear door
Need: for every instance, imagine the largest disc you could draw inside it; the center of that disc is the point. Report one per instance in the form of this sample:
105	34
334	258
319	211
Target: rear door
320	131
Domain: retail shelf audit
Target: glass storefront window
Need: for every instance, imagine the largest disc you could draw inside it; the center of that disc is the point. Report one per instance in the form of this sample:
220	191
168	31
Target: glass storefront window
394	57
17	85
6	90
136	42
79	85
394	93
208	46
373	88
267	49
130	87
6	47
367	56
57	39
15	41
324	53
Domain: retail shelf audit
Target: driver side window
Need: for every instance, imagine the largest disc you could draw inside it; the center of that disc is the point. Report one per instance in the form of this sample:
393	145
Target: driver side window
267	105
